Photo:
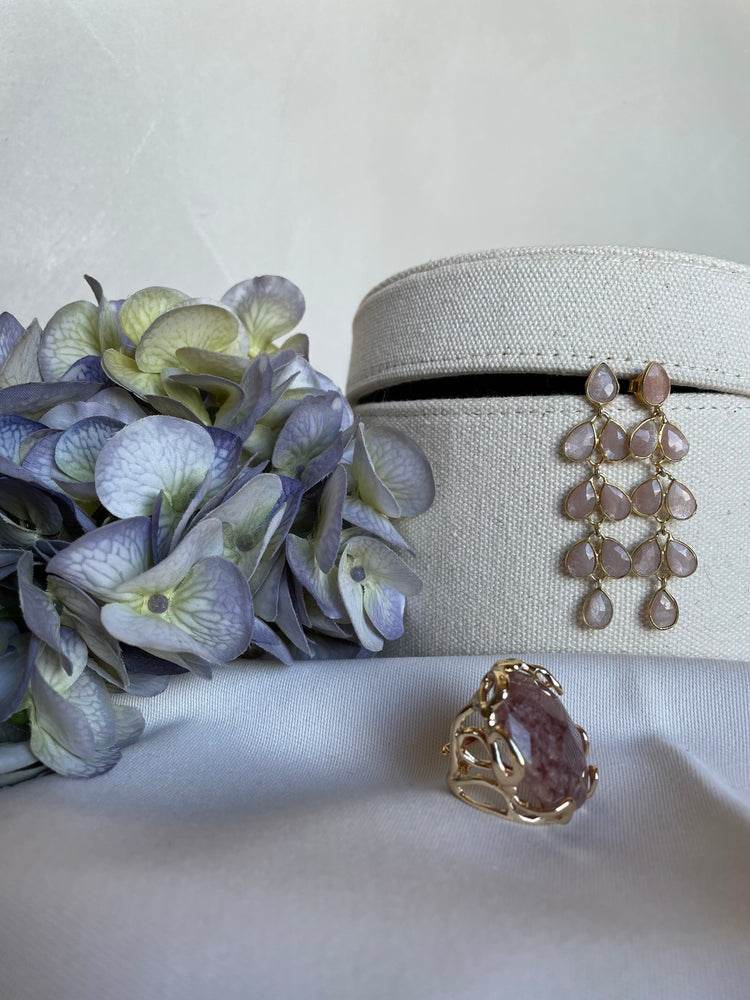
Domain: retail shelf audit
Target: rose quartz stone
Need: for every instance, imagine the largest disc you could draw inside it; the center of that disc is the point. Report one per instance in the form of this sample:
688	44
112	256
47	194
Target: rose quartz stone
681	559
673	442
647	497
601	385
655	384
549	742
643	439
581	500
614	442
614	502
614	558
663	609
580	442
581	559
680	502
647	557
597	609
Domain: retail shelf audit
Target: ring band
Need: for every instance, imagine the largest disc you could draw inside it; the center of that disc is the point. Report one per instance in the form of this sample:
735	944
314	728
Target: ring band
515	752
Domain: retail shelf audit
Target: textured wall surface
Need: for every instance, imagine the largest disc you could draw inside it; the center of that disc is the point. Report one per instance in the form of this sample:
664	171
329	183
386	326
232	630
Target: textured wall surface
336	142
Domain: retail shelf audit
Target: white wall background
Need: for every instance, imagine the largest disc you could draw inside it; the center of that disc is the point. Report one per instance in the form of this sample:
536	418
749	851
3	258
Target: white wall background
196	143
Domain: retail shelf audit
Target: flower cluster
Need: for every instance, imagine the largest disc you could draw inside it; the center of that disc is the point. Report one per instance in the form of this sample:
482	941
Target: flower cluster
179	490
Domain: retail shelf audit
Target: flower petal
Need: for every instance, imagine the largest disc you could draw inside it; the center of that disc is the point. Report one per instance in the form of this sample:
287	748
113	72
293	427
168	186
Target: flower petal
385	609
151	455
33	399
268	306
101	560
22	364
11	332
209	327
14	430
311	429
352	595
78	449
401	465
328	531
322	586
72	333
377	561
15	670
205	539
359	513
139	311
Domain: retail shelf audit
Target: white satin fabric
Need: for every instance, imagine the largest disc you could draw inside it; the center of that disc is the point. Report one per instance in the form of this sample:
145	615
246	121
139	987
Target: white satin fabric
287	833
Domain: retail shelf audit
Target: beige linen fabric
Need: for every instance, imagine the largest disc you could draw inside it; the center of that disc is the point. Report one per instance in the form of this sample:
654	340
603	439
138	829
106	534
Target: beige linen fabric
491	548
287	834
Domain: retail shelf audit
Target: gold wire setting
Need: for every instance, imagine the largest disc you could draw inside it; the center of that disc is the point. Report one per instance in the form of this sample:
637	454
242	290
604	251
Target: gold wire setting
488	770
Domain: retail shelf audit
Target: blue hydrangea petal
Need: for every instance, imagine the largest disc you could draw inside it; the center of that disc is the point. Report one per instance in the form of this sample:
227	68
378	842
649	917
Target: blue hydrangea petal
102	560
113	402
226	459
322	586
311	432
33	399
401	465
266	592
353	598
148	456
384	607
129	723
209	614
266	639
359	513
21	366
14	430
86	370
11	332
15	670
268	306
17	764
370	487
77	450
205	539
370	555
330	512
287	619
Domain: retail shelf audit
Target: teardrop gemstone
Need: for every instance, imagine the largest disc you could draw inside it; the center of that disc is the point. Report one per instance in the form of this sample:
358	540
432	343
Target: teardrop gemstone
580	442
643	438
614	503
601	385
663	610
581	559
597	609
647	498
614	441
673	443
614	558
680	502
681	559
655	384
647	557
581	500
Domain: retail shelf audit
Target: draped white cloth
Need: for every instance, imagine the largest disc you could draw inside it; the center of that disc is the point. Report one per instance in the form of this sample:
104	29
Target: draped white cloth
286	833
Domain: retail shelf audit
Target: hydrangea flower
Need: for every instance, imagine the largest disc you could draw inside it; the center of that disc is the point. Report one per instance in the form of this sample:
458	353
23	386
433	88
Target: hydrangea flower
180	488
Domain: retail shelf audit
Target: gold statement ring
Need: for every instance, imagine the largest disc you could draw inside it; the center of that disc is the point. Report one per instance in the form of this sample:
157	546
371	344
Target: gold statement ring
515	752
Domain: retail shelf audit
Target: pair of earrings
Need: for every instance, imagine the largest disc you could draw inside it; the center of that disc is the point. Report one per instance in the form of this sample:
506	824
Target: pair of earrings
660	497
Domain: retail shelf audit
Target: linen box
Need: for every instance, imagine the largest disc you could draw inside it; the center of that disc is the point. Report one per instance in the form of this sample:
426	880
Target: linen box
482	359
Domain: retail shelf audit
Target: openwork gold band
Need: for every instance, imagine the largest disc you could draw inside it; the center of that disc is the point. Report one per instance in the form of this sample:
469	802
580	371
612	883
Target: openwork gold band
545	782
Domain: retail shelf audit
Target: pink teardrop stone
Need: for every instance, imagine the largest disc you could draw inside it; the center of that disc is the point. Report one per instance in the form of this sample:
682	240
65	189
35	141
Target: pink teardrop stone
552	748
581	500
597	609
580	442
643	439
680	502
647	557
655	384
601	385
647	497
673	443
614	442
681	559
581	559
614	558
663	610
615	504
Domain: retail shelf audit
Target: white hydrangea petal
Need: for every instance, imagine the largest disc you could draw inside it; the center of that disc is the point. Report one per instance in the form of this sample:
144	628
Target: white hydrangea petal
72	333
149	456
206	326
352	595
401	465
141	309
